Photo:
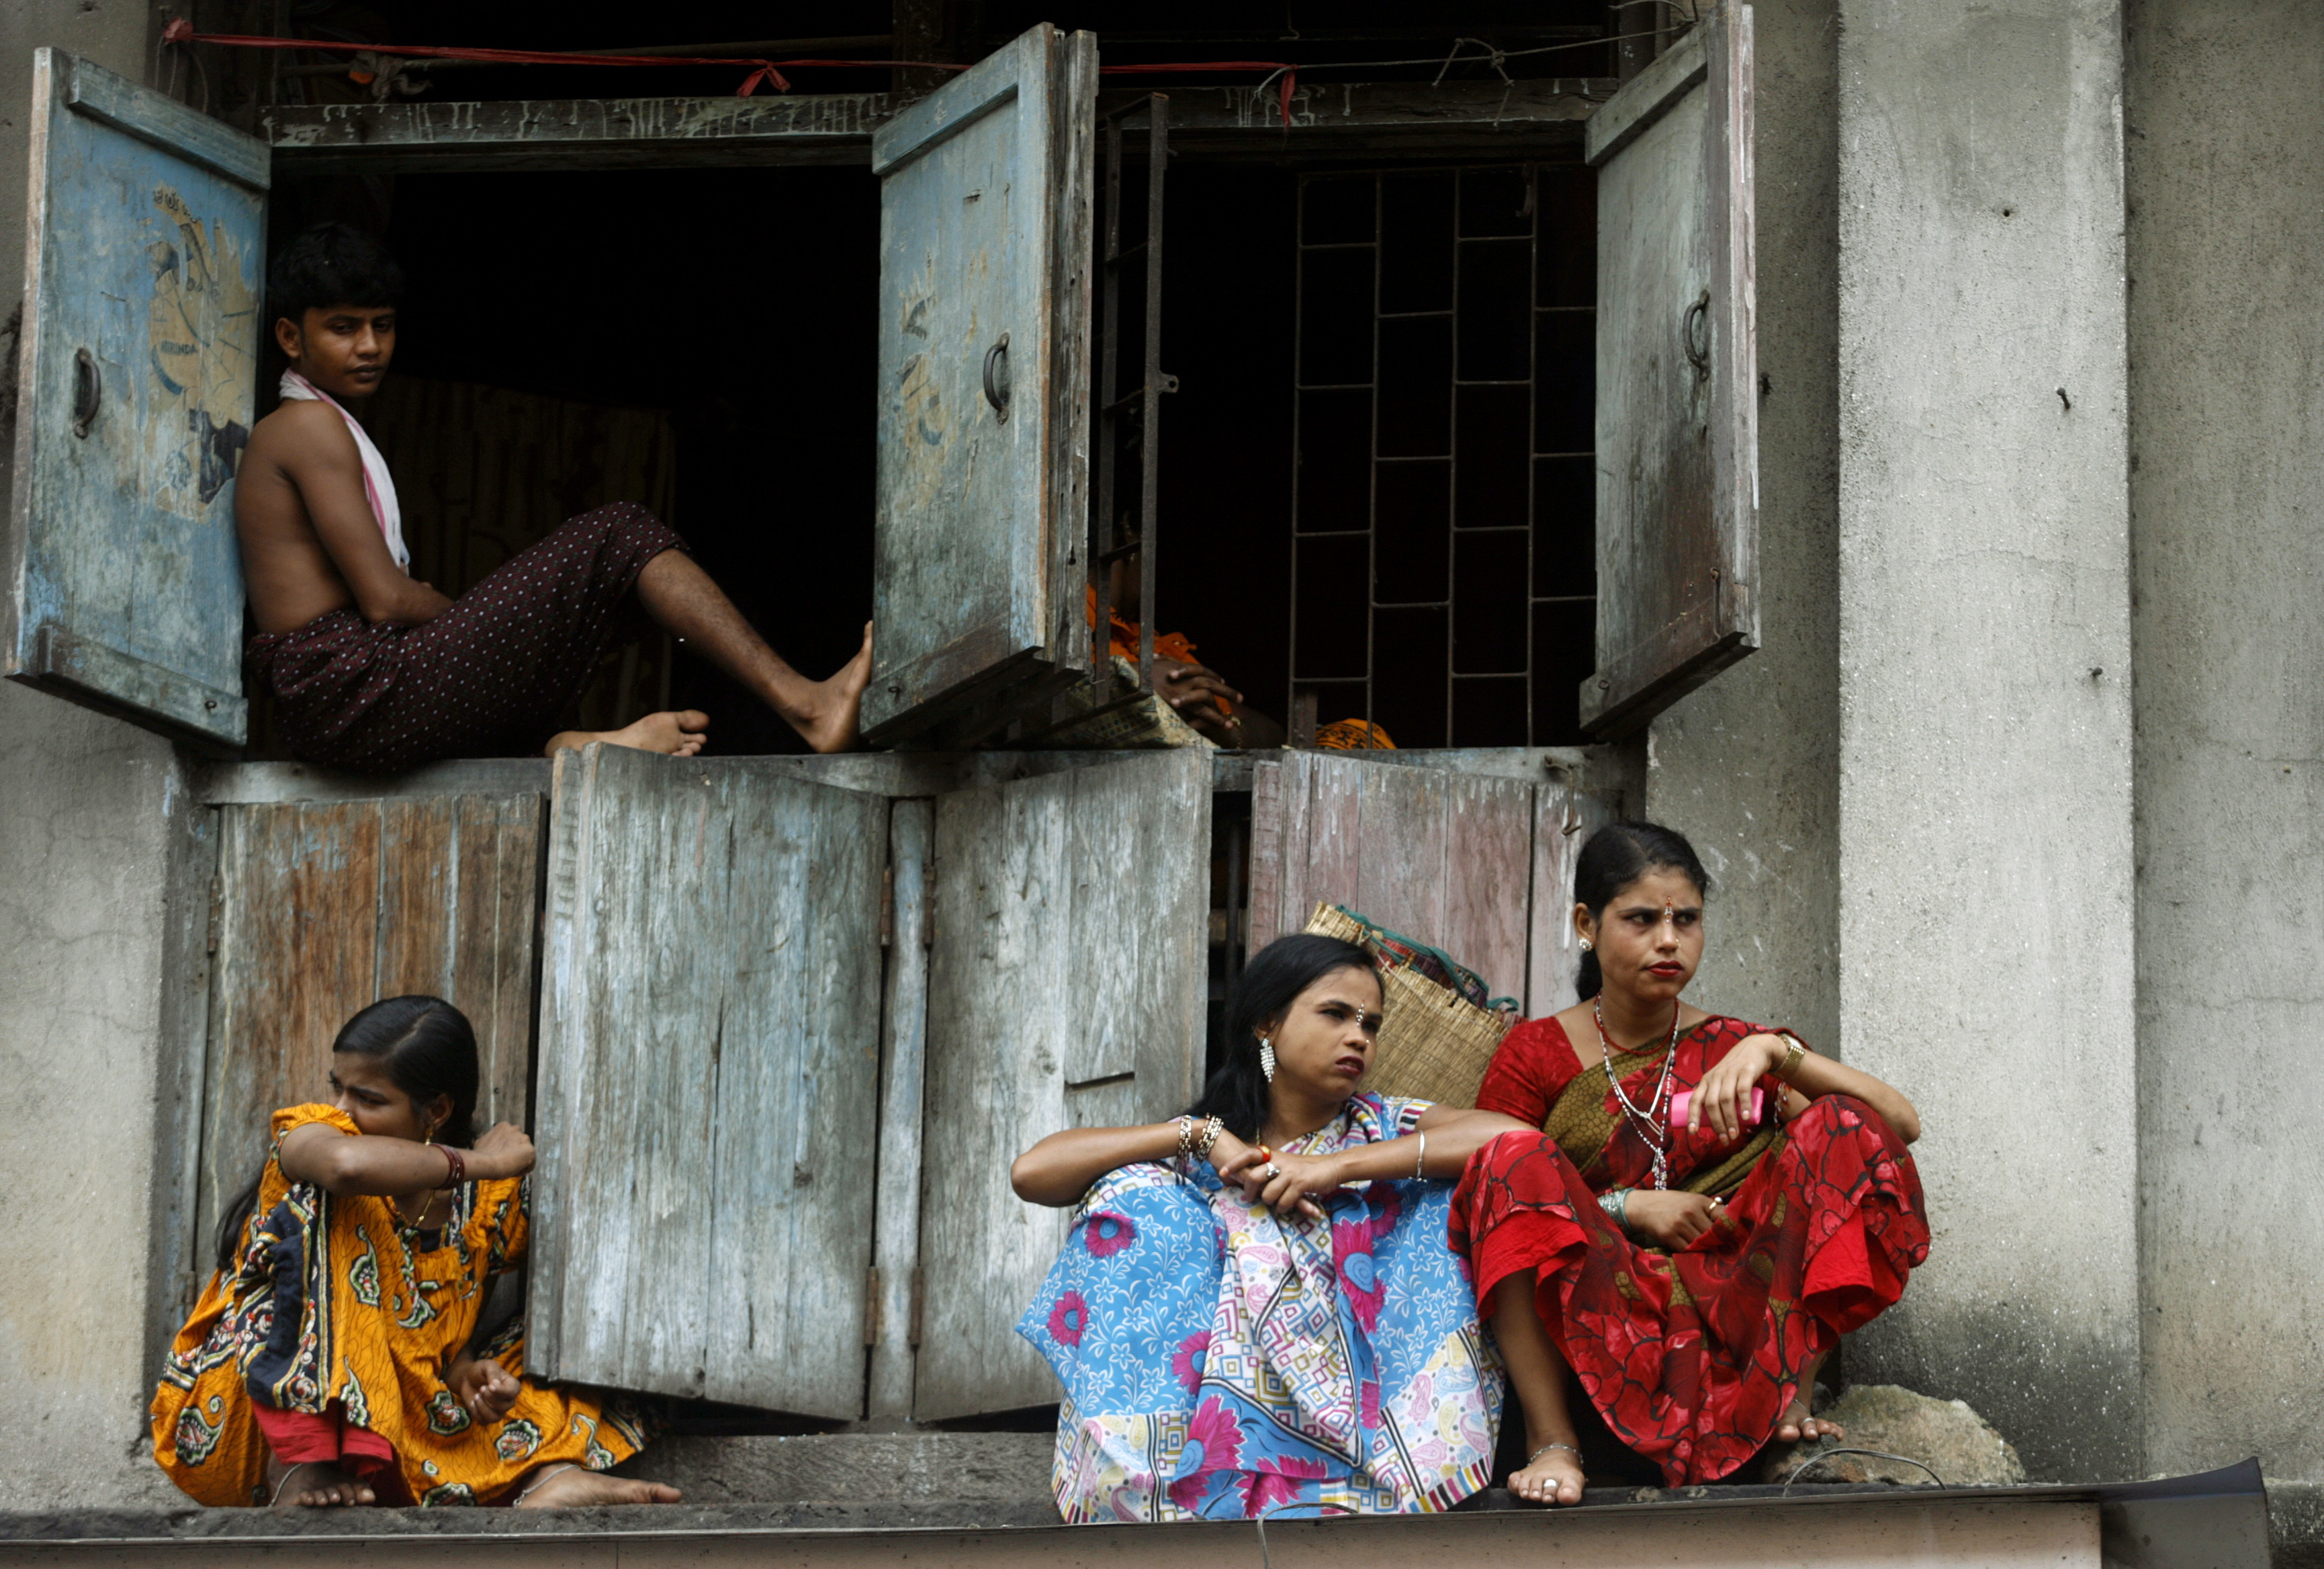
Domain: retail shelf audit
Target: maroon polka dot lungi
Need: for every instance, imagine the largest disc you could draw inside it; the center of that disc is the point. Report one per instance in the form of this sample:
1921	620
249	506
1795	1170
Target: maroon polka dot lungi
491	677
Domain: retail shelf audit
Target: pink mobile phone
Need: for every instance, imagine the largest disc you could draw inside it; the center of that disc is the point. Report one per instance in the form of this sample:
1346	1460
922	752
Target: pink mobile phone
1681	1099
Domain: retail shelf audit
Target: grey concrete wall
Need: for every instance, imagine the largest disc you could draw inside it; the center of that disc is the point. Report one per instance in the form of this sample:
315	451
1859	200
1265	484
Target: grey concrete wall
1748	765
1985	813
82	815
2225	112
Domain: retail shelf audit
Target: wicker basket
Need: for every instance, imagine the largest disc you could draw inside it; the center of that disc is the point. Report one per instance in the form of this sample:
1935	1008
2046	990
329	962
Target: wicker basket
1148	722
1435	1044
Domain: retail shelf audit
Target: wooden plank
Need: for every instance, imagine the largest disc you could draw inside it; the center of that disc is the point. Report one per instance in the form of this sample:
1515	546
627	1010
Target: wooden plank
1070	910
1442	857
709	1056
980	360
268	784
1677	404
120	582
797	1125
178	129
1267	831
418	881
495	922
179	1255
1566	816
1330	120
903	1072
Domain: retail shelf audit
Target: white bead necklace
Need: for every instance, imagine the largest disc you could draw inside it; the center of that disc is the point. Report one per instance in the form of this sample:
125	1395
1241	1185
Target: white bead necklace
1656	1134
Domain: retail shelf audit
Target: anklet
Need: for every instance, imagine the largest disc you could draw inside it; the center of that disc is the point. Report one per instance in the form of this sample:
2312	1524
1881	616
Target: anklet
547	1472
1546	1448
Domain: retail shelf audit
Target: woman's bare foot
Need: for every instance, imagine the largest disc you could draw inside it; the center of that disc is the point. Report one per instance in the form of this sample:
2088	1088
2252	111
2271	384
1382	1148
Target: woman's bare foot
1552	1476
1798	1427
573	1487
313	1485
828	714
677	733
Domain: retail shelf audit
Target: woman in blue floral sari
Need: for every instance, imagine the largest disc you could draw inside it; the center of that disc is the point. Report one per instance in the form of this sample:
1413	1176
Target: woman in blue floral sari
1257	1311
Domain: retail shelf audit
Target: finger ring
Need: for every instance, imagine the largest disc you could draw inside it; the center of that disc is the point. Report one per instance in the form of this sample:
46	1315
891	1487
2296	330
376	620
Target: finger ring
1271	1169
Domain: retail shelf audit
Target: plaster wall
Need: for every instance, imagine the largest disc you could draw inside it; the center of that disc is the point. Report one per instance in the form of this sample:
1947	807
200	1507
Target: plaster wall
1747	766
1985	839
84	804
2224	115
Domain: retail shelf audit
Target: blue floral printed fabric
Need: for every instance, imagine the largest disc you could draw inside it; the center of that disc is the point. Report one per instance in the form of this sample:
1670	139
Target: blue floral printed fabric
1220	1362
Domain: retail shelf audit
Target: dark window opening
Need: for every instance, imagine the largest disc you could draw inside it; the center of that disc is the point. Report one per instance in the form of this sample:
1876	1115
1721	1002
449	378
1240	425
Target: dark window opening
1444	547
704	342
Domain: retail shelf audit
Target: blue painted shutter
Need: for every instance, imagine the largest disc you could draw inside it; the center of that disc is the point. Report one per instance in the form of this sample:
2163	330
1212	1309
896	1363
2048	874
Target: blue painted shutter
120	581
984	247
1678	431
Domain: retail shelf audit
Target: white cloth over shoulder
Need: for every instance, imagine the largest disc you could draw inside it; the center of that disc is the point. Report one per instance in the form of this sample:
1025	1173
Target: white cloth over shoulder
379	485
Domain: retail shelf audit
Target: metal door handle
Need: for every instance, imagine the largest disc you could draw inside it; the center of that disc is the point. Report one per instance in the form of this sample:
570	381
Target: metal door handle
89	391
1694	336
996	390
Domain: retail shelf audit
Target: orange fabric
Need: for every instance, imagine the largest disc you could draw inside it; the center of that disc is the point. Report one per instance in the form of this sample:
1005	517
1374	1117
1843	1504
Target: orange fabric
335	1307
1353	735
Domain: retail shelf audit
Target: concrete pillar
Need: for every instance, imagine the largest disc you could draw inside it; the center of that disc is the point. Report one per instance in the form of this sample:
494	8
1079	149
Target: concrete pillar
1748	766
82	823
1985	730
2225	113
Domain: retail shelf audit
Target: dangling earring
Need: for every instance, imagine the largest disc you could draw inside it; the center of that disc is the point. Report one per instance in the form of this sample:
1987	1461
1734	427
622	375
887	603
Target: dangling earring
1267	1058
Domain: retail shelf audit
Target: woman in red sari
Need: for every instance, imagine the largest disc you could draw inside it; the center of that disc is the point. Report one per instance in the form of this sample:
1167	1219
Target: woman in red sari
1690	1260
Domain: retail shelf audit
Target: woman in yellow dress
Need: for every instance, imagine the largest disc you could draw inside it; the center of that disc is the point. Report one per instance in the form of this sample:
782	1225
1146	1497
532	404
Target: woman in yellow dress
335	1358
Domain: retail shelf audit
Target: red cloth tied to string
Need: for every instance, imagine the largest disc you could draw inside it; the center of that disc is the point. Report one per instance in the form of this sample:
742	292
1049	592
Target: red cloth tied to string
181	31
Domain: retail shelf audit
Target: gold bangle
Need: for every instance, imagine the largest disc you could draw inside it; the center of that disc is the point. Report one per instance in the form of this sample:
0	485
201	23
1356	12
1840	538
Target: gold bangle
1792	1057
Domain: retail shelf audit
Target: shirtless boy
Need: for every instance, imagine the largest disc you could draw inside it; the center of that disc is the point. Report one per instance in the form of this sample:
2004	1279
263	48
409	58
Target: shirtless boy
371	669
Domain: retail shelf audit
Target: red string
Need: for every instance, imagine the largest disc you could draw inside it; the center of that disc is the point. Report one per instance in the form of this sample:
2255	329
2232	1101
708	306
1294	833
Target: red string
181	31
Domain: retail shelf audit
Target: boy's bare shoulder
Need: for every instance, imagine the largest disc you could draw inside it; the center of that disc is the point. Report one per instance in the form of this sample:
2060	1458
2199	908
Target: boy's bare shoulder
304	427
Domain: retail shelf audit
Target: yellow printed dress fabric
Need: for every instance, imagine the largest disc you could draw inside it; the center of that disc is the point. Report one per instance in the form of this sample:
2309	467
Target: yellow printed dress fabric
334	1308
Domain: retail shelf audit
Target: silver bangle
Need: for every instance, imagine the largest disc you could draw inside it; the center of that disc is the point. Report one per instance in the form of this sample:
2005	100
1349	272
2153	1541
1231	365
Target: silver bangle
1421	1159
1616	1203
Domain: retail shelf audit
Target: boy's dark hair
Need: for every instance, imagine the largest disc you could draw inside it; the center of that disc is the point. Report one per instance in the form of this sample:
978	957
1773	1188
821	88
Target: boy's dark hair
331	264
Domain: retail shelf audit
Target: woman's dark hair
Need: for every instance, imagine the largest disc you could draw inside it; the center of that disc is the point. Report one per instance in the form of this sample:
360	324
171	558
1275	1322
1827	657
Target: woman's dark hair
430	1051
331	264
1616	856
1276	976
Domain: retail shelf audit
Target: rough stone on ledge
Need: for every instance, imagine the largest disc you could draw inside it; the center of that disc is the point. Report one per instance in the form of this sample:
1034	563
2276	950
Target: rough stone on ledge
1953	1441
915	1468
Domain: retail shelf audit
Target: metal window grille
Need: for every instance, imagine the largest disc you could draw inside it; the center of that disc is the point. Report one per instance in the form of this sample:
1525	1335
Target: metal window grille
1444	550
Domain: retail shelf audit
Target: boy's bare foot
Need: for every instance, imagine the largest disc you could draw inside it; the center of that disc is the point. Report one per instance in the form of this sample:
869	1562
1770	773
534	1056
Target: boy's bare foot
827	716
678	734
313	1485
573	1488
1798	1427
1553	1476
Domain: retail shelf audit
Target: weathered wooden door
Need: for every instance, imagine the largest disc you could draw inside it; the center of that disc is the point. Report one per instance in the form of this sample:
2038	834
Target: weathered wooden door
982	494
1067	988
1678	467
1478	865
320	909
1444	857
709	1082
120	582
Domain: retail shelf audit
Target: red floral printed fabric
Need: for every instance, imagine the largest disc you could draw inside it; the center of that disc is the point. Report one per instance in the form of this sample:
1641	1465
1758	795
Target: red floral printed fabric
1692	1357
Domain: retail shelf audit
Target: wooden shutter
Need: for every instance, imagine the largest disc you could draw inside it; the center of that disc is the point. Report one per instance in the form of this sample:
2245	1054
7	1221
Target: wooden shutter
120	580
1564	819
1678	466
709	1082
1066	989
1443	857
323	908
984	238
